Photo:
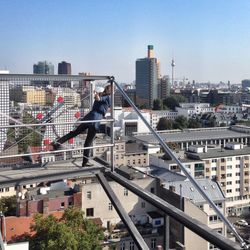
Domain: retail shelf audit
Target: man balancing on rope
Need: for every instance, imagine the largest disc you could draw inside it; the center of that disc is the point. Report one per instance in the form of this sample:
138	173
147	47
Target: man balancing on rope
99	109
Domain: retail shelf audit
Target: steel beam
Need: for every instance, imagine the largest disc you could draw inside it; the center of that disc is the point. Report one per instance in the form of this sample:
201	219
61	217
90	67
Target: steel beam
183	168
140	243
41	77
13	181
194	225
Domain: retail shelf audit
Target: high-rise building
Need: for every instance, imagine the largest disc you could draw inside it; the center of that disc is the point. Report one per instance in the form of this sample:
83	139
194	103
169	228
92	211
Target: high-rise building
43	67
64	68
164	87
245	83
147	72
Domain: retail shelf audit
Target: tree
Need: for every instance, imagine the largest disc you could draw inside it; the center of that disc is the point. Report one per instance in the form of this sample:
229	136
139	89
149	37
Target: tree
157	104
194	123
8	205
180	122
164	124
27	136
173	101
71	232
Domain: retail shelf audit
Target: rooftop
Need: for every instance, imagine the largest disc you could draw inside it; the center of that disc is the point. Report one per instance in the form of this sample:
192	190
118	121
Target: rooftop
193	134
210	187
219	153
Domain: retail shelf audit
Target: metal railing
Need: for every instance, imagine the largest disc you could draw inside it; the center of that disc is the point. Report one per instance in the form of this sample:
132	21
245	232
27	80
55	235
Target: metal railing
41	125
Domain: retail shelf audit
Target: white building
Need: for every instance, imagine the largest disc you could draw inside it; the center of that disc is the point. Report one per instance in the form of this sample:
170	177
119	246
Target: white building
190	109
128	121
157	115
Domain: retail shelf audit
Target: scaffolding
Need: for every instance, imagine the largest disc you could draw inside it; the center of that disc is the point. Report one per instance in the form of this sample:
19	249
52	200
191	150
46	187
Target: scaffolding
58	107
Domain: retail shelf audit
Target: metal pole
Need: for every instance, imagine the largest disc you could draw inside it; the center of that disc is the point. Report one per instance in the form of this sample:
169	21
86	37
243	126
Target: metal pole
191	223
134	233
189	176
112	155
166	238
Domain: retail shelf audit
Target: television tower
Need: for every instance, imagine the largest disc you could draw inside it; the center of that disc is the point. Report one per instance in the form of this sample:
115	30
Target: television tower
172	65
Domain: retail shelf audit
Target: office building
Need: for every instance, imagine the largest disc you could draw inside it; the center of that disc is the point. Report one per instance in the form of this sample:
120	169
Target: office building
147	71
64	68
44	68
164	87
245	83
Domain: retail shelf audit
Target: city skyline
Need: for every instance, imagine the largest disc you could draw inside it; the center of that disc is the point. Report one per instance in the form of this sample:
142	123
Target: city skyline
207	39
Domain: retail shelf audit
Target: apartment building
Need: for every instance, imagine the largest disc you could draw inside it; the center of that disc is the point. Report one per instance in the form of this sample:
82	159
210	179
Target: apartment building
230	166
181	193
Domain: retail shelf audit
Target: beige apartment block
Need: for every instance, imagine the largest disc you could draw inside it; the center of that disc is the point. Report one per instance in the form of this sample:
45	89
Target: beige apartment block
96	204
36	96
230	166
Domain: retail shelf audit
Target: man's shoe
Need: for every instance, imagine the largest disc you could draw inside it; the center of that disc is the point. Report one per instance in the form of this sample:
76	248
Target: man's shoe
55	145
87	164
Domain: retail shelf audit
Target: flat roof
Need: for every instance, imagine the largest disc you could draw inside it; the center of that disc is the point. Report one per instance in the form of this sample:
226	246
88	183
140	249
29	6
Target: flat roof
220	153
191	135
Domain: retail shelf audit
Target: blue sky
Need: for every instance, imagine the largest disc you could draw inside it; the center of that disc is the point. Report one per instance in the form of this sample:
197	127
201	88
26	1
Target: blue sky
209	39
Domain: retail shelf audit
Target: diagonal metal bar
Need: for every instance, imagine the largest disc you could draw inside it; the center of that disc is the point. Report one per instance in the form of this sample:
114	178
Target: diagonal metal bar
140	243
183	168
194	225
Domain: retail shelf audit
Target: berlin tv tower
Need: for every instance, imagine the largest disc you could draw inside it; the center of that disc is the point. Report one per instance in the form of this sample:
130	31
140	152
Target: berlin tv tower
172	65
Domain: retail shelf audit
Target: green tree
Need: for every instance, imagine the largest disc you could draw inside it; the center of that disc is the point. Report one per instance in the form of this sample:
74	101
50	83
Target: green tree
180	122
27	136
194	123
164	124
157	104
72	232
8	205
173	101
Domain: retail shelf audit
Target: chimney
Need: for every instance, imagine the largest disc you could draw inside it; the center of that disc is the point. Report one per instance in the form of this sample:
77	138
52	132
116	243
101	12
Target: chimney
150	51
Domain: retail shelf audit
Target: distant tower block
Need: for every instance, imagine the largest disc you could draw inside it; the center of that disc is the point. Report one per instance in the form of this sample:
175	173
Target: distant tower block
150	51
172	65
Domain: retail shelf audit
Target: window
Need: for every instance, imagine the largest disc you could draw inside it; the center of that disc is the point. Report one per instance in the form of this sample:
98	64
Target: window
90	212
143	205
214	218
62	204
152	190
229	175
229	183
237	182
237	174
123	245
110	206
229	167
237	166
125	192
7	189
214	168
238	158
229	159
229	190
89	195
222	159
237	189
131	245
153	243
